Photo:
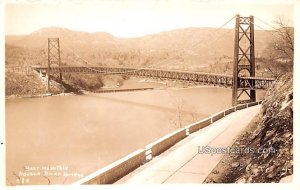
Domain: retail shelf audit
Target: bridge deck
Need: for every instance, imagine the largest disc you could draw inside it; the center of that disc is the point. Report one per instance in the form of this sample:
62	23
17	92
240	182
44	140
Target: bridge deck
192	76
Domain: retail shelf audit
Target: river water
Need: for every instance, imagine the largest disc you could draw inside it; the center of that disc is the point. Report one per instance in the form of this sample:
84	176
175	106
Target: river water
61	138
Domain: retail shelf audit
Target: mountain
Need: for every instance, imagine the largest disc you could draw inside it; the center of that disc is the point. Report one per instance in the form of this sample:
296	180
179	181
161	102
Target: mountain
188	48
38	39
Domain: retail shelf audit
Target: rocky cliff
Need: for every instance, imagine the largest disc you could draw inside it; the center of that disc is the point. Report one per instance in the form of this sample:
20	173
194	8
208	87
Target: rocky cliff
269	138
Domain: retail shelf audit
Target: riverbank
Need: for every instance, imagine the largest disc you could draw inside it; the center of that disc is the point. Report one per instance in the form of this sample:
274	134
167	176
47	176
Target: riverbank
39	95
20	85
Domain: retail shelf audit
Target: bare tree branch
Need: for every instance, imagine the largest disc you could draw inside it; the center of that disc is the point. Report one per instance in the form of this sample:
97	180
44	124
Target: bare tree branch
279	53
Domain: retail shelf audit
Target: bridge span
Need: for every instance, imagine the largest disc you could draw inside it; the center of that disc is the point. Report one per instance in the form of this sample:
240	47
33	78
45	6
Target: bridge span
243	88
252	83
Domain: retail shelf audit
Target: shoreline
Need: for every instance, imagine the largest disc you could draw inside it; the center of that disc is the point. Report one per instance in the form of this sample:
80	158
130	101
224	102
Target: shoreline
177	85
85	92
11	97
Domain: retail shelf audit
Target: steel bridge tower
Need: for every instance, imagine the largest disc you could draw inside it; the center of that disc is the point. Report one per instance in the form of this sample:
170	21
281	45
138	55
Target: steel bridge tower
244	60
53	57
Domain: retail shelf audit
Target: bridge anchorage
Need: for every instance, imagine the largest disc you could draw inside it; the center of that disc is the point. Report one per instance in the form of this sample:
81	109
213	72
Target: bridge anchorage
244	83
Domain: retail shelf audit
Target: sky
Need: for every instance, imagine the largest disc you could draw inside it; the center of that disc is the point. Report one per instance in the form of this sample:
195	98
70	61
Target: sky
134	18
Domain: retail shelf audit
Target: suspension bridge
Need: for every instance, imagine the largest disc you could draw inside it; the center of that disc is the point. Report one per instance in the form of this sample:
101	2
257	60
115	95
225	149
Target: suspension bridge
244	62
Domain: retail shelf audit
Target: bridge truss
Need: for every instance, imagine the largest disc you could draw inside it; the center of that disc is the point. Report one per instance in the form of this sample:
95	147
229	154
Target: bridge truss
252	83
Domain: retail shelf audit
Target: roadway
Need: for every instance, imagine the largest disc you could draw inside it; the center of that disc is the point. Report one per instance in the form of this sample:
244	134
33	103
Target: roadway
182	163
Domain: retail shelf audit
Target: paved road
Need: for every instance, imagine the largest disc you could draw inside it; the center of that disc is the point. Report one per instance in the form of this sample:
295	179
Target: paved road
183	163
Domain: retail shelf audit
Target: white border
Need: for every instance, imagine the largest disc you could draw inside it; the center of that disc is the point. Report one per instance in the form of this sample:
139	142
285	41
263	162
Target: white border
296	183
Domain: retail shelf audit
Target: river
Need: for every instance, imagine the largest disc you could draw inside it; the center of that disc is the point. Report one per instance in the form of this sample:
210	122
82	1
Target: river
61	138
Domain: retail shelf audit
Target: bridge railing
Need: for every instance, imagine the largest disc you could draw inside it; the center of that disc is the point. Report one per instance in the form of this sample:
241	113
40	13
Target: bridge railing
255	82
198	77
122	167
28	70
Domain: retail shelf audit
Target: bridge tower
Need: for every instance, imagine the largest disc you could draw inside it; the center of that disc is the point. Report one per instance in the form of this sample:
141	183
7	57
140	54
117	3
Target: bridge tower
53	57
244	60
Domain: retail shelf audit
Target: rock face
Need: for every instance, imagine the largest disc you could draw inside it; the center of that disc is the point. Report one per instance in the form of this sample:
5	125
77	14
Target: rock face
269	136
276	131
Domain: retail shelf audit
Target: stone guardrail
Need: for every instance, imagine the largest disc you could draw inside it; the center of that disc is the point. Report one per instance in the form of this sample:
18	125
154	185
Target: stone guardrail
116	170
164	143
125	165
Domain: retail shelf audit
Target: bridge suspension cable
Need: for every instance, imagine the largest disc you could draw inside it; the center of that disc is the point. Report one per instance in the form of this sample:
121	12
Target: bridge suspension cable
264	29
92	69
259	26
78	56
206	45
261	20
204	42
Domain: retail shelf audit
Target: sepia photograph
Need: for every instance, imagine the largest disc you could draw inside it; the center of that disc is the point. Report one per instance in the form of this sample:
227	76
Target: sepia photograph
129	92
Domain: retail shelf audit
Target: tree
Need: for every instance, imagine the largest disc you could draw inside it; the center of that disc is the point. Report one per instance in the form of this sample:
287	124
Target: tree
284	43
280	52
